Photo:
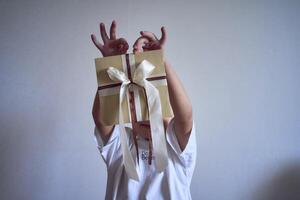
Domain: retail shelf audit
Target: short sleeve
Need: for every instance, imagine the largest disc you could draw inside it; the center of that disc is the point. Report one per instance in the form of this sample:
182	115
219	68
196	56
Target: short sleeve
188	155
111	151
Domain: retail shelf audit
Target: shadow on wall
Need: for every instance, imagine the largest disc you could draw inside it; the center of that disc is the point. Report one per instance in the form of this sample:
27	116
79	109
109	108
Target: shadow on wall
284	185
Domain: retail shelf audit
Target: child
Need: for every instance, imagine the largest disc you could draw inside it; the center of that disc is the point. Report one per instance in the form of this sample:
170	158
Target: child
174	181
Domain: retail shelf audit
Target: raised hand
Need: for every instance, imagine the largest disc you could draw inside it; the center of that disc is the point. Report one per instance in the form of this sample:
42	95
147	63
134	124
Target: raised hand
111	45
148	41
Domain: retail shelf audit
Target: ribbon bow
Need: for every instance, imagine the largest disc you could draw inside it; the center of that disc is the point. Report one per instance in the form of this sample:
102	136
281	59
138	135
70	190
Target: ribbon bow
143	71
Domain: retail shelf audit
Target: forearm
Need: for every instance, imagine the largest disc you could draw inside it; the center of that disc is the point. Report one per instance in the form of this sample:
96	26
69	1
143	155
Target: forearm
105	131
179	100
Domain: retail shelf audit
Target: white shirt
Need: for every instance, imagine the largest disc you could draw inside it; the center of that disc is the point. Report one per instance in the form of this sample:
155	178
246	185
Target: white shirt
172	183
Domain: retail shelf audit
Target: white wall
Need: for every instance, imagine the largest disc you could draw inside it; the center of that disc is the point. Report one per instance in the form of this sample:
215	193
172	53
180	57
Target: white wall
239	61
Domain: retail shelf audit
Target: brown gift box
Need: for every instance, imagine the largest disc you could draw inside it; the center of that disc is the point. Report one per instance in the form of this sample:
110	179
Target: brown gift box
135	107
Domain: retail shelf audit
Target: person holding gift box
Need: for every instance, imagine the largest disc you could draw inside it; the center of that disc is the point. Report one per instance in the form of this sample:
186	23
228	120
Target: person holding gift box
173	182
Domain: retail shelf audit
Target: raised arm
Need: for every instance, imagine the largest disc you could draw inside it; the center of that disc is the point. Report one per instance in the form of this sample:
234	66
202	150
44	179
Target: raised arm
182	108
111	46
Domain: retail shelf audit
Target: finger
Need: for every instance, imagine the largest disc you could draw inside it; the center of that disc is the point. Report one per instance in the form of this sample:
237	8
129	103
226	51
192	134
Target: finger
96	43
139	43
163	36
113	30
121	42
119	46
123	49
149	35
136	51
148	46
122	45
103	33
151	46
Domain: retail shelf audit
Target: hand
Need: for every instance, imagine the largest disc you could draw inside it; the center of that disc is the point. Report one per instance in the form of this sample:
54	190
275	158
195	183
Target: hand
112	46
148	41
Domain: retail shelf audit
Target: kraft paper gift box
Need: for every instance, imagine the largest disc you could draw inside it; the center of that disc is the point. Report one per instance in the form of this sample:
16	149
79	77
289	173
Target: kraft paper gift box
109	89
133	87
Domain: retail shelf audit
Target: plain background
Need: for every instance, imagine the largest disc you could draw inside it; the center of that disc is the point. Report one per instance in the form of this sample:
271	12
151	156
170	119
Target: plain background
239	62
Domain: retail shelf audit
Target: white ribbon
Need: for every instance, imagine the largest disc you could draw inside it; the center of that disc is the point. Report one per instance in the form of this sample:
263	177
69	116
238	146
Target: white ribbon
142	71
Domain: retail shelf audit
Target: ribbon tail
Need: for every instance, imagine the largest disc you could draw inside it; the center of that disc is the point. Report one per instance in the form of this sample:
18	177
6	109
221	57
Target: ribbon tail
129	164
157	127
